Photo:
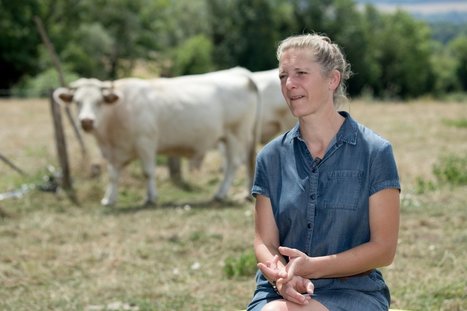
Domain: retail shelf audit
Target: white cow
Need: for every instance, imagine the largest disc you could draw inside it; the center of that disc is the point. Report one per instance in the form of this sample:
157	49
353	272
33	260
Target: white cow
135	118
276	117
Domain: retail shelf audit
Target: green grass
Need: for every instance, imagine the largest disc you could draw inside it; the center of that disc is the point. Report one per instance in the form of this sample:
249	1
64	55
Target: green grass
460	123
190	253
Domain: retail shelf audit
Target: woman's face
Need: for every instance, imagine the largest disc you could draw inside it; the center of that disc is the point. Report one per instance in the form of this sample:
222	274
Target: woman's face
305	88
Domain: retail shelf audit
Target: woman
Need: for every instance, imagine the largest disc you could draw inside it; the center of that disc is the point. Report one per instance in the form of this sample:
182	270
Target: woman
327	194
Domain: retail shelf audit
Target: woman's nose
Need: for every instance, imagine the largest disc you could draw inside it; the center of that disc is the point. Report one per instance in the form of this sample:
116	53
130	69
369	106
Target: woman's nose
289	83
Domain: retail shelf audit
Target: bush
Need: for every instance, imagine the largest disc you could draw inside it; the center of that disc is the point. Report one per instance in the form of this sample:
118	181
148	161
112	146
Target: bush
459	123
244	265
40	85
423	186
452	170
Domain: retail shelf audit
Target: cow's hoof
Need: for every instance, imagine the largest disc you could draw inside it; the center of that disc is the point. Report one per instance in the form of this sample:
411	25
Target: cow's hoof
107	203
218	199
150	204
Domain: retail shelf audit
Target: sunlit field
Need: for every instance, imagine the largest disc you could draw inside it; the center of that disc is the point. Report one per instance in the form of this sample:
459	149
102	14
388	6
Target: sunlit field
189	253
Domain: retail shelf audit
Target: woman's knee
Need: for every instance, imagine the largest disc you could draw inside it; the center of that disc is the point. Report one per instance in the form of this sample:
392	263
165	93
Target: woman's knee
283	305
275	305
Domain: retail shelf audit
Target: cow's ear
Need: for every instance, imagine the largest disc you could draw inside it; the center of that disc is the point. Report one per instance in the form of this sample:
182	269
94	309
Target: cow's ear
63	95
110	98
66	97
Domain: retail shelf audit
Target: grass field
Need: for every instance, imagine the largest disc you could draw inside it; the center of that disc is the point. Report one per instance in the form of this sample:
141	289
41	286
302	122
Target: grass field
58	256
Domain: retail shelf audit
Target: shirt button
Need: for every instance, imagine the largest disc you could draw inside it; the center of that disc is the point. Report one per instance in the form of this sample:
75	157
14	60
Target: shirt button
312	196
313	170
309	225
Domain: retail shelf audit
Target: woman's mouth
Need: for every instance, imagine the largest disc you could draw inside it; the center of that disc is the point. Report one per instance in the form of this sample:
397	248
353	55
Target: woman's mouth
296	97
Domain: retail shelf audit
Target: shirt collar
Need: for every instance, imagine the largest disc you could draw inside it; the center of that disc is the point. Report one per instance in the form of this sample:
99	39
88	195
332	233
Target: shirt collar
346	134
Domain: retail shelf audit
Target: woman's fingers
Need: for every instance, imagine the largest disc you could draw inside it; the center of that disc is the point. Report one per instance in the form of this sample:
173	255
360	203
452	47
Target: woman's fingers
291	294
308	285
290	252
271	269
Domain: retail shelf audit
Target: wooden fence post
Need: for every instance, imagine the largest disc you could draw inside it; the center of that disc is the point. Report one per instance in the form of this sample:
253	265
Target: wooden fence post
58	67
62	153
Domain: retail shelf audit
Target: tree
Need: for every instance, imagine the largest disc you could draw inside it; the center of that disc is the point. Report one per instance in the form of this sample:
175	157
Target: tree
18	40
458	48
391	54
193	56
345	25
444	66
258	36
90	39
245	32
404	53
353	32
125	28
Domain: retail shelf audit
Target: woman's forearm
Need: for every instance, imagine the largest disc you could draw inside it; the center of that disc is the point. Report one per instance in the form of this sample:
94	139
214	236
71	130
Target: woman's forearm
357	260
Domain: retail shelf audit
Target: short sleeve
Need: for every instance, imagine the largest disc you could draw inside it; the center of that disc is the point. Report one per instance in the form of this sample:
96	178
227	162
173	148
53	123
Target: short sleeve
383	168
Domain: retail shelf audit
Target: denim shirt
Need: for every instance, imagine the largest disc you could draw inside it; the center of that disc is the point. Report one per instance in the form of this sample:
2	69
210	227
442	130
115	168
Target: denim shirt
322	207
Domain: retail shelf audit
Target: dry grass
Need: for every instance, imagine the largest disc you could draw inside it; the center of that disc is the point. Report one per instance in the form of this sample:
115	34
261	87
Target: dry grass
56	256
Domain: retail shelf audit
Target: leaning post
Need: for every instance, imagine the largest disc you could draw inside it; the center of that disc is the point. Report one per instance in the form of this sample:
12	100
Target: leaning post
60	142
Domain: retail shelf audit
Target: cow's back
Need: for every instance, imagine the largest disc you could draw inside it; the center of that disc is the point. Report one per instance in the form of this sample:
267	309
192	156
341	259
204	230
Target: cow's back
232	89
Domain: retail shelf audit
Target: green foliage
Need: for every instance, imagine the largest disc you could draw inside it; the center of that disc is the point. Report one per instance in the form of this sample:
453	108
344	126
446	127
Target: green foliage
41	84
243	265
392	55
458	48
459	123
355	36
446	31
423	186
452	170
457	97
444	67
193	56
245	33
404	56
91	39
18	40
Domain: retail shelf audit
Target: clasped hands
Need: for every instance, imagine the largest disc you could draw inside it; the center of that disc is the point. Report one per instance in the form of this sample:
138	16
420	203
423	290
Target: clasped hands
290	284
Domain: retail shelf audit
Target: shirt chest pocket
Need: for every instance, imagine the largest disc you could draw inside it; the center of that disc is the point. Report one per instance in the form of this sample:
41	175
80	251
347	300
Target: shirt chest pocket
342	189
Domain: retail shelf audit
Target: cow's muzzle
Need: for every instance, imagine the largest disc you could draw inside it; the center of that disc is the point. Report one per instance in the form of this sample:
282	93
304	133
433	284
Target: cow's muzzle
87	125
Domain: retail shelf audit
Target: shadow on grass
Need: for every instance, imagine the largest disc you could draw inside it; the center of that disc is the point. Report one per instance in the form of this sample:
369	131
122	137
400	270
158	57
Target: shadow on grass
172	205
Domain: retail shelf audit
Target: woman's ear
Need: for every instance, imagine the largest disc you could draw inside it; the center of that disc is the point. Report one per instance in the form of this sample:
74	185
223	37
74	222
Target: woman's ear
334	79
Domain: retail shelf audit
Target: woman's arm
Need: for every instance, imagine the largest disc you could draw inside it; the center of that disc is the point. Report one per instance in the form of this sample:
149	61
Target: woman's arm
270	262
378	252
266	242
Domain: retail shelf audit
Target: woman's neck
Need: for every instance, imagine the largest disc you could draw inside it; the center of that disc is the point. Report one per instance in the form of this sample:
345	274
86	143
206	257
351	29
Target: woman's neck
318	130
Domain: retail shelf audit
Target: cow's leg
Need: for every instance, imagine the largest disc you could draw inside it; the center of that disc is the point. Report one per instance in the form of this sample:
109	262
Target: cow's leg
232	161
175	169
146	151
240	149
195	163
111	192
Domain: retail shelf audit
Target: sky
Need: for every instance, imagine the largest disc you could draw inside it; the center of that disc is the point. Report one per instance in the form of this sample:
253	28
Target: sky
421	7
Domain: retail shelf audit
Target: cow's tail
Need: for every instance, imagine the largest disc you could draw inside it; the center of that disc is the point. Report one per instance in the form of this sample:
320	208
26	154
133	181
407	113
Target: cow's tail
251	161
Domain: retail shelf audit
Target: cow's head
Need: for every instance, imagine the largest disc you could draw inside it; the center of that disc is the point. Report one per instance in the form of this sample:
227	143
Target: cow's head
89	95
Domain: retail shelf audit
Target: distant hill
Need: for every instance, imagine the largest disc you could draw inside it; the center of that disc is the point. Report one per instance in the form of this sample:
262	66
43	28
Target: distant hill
433	11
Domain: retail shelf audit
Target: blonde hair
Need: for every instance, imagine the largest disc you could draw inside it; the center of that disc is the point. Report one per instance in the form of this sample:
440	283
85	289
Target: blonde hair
326	53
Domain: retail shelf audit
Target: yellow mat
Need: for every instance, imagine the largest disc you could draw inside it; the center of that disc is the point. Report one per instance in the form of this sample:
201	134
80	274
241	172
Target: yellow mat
388	310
